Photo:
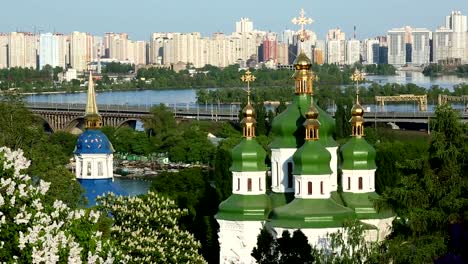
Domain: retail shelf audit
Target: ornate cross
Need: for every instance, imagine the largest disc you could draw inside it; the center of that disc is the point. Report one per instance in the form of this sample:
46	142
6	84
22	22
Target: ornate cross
357	77
302	21
248	77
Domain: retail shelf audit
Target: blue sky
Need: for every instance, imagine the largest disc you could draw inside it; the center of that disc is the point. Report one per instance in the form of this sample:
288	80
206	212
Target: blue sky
141	17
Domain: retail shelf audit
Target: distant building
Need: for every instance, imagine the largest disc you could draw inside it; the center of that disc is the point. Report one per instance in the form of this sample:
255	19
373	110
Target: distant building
53	50
371	51
353	51
3	51
397	46
22	50
450	42
420	54
80	50
244	26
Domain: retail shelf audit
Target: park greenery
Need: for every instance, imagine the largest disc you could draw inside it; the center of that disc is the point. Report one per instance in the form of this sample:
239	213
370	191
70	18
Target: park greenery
434	70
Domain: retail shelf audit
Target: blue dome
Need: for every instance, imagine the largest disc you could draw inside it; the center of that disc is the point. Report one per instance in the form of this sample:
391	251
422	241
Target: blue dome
93	142
95	188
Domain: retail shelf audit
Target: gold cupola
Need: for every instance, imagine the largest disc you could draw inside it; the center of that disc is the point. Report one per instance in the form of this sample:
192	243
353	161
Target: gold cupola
303	76
92	117
312	124
357	112
248	121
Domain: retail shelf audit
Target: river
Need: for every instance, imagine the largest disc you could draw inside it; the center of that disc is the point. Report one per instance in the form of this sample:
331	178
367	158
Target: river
187	97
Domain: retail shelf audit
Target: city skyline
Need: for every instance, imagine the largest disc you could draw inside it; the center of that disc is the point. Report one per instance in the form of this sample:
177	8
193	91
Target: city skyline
157	16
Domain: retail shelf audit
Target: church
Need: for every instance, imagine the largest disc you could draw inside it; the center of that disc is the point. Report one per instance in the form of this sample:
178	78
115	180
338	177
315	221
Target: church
306	165
94	154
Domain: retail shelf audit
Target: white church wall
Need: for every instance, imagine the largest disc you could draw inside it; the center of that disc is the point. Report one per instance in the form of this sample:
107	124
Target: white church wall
237	240
249	183
279	165
350	181
334	167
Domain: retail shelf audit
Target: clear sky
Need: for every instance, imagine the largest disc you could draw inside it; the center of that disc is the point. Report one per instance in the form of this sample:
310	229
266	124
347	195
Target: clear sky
141	17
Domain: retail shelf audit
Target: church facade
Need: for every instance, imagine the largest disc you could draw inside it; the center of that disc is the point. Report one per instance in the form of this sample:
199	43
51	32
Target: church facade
305	164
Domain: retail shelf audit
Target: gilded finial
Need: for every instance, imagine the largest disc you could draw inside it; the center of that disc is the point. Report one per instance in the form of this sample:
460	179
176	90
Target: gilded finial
92	117
357	112
248	122
302	21
357	77
248	77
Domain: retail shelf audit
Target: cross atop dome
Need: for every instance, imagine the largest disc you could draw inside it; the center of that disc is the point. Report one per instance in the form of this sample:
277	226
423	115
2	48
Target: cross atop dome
248	77
302	21
357	77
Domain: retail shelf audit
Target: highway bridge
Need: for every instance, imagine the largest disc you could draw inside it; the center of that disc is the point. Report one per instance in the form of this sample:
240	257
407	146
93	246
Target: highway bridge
65	117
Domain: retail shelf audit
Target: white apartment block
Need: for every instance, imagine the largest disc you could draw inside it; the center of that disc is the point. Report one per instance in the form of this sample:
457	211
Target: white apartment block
353	51
3	51
80	51
371	51
53	50
244	26
397	46
334	48
421	48
22	50
451	40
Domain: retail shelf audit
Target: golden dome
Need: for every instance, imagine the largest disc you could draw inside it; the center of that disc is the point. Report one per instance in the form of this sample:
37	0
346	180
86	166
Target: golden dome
302	62
357	110
312	112
248	111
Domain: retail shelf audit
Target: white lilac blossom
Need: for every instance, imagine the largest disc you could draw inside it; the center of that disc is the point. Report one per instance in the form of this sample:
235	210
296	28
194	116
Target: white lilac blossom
45	234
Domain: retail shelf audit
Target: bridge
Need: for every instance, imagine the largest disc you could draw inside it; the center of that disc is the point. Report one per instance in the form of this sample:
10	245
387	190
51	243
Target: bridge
66	117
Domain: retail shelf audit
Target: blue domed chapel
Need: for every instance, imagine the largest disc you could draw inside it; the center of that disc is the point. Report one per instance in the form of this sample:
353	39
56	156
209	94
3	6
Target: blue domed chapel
94	154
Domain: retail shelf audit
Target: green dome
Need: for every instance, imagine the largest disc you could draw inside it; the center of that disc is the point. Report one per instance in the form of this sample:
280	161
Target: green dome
288	130
312	159
357	154
327	128
248	156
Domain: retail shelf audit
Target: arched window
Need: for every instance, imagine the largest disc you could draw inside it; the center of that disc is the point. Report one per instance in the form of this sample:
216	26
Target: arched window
290	175
260	184
238	184
349	183
298	187
277	174
249	184
321	187
360	183
88	170
100	170
309	188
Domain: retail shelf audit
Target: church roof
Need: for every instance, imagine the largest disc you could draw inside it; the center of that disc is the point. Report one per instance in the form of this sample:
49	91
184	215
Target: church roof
244	208
363	205
311	213
93	141
95	188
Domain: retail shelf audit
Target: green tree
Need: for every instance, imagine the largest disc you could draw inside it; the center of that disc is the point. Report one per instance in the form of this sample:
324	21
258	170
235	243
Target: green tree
432	199
266	251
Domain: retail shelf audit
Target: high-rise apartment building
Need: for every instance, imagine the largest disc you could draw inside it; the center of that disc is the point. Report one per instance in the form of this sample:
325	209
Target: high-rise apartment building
396	39
270	45
370	52
353	51
442	44
22	50
336	46
283	54
420	48
80	51
53	50
244	26
116	45
3	51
